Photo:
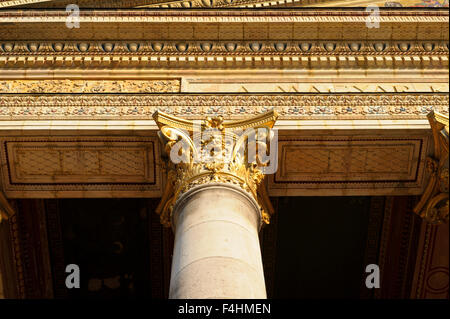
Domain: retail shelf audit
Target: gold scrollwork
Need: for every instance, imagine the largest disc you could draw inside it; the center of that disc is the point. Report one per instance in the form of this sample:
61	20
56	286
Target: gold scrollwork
433	206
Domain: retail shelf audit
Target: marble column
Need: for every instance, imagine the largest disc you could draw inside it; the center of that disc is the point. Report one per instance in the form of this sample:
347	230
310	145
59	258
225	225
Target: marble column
217	253
216	211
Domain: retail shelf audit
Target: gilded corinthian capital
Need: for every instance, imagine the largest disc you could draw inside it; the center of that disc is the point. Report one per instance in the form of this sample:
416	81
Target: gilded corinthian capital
215	151
433	206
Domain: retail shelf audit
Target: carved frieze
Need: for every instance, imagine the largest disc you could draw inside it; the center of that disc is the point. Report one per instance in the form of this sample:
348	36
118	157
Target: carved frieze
90	86
192	106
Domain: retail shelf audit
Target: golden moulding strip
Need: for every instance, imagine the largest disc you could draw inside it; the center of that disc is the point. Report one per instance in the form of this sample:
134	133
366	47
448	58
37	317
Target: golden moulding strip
82	3
230	47
237	170
196	106
290	61
229	3
153	3
231	53
244	16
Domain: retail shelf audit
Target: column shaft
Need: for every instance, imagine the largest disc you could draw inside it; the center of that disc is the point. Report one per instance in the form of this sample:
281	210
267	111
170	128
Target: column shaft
216	253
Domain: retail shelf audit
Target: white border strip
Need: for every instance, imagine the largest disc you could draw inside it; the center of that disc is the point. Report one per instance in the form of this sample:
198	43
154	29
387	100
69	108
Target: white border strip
140	125
42	16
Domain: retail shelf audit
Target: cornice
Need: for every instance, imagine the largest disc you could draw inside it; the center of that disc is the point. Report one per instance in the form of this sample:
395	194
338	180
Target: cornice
274	54
297	106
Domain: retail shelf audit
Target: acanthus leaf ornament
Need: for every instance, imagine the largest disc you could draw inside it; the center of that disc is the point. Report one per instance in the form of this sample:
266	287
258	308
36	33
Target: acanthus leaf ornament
215	151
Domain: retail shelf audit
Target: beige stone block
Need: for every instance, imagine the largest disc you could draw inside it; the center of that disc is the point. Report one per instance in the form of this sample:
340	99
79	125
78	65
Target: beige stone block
426	31
354	31
155	31
384	32
231	31
207	31
331	31
404	31
254	31
305	31
281	32
445	32
181	31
